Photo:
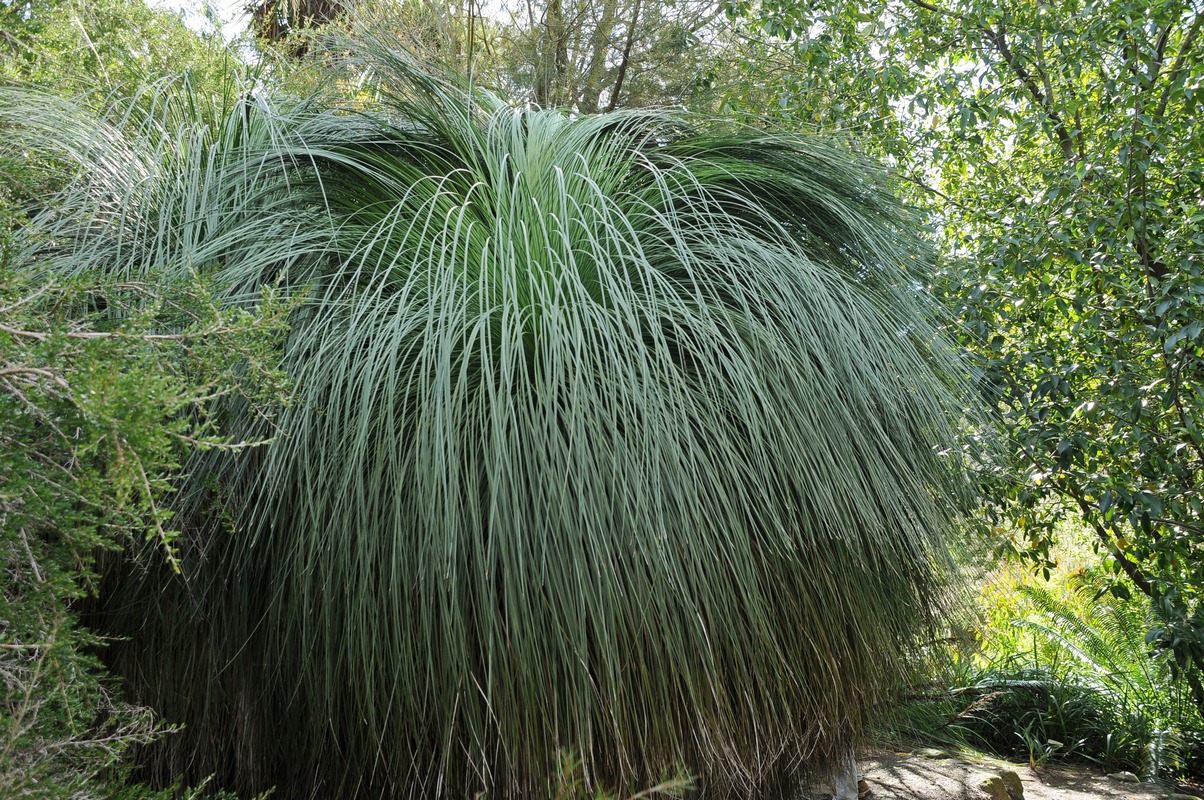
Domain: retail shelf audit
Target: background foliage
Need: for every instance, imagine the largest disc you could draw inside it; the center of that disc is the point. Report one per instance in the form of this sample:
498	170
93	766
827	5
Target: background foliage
1055	144
102	390
1059	669
588	56
107	49
96	418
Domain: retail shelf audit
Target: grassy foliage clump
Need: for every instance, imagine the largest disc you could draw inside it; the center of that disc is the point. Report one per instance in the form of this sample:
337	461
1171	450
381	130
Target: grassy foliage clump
624	435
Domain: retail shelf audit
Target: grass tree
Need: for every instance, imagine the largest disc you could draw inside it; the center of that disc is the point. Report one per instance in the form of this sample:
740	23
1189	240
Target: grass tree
623	435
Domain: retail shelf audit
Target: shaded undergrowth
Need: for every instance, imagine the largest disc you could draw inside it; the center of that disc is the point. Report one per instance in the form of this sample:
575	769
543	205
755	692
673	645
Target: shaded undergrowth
1063	672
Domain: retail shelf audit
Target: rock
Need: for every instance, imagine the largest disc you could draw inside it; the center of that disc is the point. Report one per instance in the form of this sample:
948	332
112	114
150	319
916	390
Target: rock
932	752
1006	785
1011	782
992	786
1124	777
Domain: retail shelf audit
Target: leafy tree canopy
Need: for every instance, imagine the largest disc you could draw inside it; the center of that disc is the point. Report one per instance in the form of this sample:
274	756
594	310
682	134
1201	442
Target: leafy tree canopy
587	56
1057	145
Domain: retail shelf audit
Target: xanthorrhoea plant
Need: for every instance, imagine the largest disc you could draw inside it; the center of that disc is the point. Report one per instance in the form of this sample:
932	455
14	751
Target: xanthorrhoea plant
616	434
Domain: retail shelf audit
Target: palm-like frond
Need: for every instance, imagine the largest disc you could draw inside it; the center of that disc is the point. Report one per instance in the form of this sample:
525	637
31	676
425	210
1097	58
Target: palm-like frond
1106	640
617	434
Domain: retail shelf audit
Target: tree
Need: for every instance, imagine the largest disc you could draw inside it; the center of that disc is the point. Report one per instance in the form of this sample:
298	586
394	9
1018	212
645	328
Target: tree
21	21
1055	143
585	56
274	20
614	54
109	48
624	434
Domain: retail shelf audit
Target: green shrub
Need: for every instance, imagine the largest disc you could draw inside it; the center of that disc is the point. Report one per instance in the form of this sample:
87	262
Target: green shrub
96	416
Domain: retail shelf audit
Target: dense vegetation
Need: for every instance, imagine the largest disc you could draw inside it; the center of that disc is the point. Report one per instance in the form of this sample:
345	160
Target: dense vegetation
1055	670
578	391
103	390
629	399
1056	145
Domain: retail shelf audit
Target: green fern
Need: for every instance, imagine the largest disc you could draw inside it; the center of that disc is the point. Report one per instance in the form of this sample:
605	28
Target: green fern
1105	637
1092	646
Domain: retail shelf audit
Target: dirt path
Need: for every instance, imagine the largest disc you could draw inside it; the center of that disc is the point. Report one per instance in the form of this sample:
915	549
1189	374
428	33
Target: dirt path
932	775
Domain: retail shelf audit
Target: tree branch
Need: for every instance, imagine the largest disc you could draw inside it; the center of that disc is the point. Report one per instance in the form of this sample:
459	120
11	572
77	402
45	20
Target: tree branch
1043	72
937	9
1130	569
998	40
1159	53
39	336
44	373
934	191
626	61
1180	62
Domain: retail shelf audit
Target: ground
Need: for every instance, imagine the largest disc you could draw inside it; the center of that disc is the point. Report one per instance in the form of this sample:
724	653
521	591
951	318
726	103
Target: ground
935	775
